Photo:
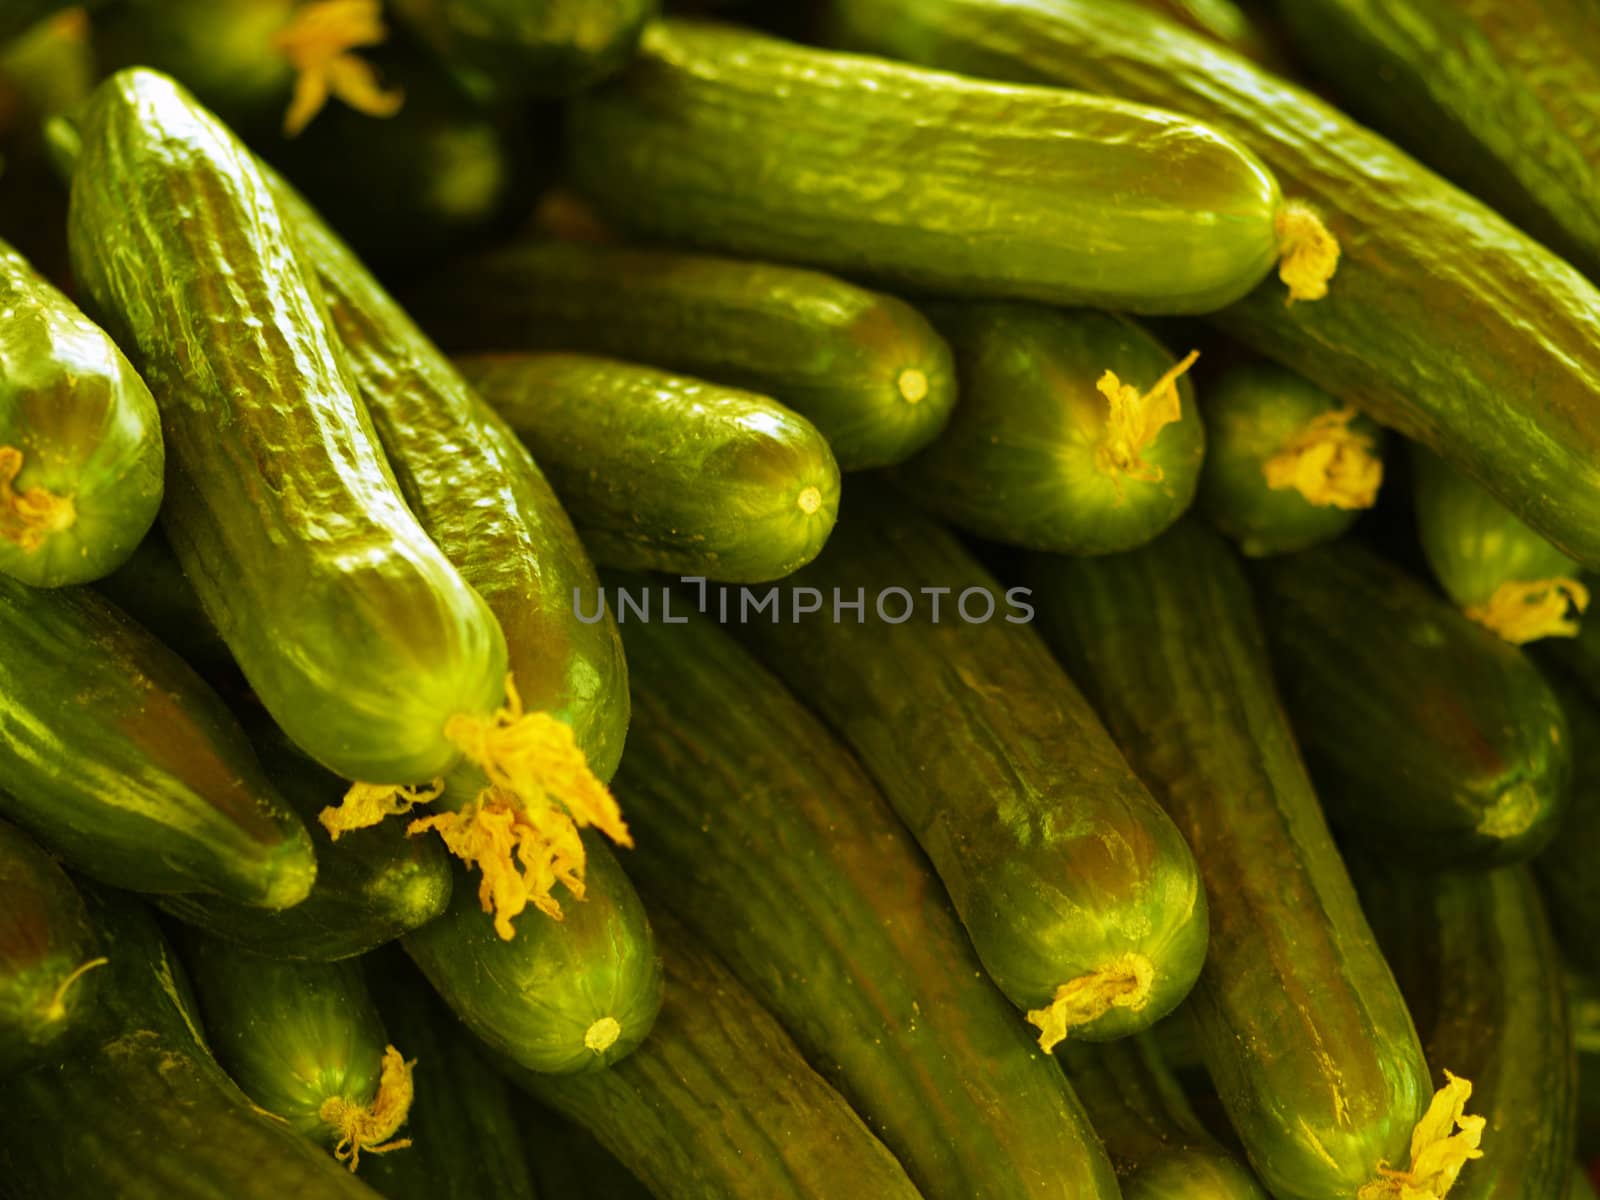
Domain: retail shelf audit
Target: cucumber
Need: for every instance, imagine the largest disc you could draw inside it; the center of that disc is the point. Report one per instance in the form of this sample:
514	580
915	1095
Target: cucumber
1081	898
1287	466
49	989
719	1104
1479	968
562	997
1240	28
865	368
569	1162
142	1111
1425	732
152	589
1444	322
1501	573
80	440
1076	431
1565	868
843	933
1298	1018
116	756
666	472
922	179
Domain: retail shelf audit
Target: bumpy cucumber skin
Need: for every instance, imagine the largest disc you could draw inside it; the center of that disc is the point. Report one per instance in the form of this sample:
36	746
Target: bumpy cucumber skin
865	368
45	939
920	178
87	428
845	935
1443	322
1054	854
1251	410
1565	868
533	998
482	498
719	1104
117	757
1017	462
1426	733
279	505
1300	1023
142	1111
663	472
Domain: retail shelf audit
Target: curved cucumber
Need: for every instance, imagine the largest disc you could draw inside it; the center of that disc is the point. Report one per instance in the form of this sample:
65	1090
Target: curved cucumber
863	367
844	934
1044	450
921	178
668	473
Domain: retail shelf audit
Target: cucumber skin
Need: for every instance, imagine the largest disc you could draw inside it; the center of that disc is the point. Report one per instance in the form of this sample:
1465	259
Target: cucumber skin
86	425
1397	696
831	351
116	756
845	935
1565	868
1016	463
920	178
1300	1022
1443	322
1055	856
663	472
279	506
569	1161
719	1104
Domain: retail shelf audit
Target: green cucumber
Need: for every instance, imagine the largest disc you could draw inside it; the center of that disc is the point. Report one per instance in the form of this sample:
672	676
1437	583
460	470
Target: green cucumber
1565	868
80	440
1238	27
142	1111
1443	321
280	507
1298	1017
1287	466
1426	733
152	589
865	368
665	472
117	757
843	933
1071	433
1081	898
1578	656
719	1104
920	178
561	997
49	990
569	1162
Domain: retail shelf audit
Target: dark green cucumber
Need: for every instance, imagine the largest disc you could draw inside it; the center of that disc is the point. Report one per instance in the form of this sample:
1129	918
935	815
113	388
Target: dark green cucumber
1566	867
1299	1020
1443	321
1036	454
921	178
117	757
1066	874
80	439
569	1162
279	505
1287	466
1428	736
666	472
865	368
152	589
1583	1007
719	1104
1579	656
141	1111
1474	956
844	934
560	997
49	991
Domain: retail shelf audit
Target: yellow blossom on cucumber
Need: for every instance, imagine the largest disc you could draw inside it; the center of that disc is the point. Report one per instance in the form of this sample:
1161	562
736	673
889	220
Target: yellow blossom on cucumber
317	42
370	1127
1524	610
1135	420
1443	1142
27	518
1123	984
367	804
1308	253
1328	463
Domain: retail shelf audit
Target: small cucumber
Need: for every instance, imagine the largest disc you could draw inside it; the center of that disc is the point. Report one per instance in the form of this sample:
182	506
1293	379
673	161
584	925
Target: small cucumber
117	757
1075	431
922	178
865	368
49	989
1426	733
80	440
719	1104
668	473
1287	466
1565	868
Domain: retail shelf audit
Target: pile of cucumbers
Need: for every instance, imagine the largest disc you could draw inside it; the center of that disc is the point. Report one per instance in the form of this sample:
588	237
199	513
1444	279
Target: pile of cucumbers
853	600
